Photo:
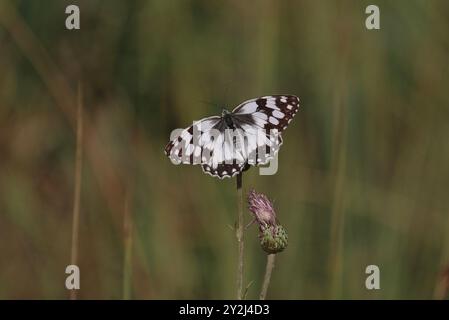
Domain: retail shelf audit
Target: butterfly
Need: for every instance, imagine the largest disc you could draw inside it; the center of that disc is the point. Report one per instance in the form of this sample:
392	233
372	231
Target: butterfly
226	145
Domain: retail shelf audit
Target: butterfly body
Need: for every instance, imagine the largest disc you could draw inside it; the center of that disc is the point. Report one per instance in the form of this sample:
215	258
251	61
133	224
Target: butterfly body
227	117
226	145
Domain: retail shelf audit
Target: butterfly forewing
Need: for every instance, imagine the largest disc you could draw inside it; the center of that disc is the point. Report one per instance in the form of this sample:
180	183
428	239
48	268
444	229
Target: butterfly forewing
193	141
272	114
269	112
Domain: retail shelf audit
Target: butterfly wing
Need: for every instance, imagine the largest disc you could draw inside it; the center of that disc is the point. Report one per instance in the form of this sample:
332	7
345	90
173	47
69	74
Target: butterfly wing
224	170
270	112
263	119
210	148
226	159
183	148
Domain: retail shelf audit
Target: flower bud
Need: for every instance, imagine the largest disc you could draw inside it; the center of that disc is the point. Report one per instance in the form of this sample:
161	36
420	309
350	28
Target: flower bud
262	209
273	239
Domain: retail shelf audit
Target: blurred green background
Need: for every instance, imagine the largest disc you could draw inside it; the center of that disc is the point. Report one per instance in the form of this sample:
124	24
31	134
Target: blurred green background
363	173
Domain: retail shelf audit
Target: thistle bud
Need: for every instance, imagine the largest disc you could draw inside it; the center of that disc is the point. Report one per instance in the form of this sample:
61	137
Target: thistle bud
262	209
273	237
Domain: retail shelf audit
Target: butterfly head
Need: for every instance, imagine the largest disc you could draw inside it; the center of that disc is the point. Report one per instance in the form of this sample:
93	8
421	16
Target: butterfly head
227	116
225	112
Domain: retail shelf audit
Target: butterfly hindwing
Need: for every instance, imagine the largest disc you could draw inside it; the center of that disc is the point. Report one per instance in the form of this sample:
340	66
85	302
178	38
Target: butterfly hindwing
224	170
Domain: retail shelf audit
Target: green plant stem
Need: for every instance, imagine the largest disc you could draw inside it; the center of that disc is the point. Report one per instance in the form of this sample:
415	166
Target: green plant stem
127	257
239	236
266	280
77	189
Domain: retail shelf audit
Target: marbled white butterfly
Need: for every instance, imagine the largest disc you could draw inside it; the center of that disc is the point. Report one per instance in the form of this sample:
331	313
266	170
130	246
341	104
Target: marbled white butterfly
228	144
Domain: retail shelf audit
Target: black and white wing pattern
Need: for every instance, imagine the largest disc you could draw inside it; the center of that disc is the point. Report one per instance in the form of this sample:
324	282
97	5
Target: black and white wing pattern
183	148
228	145
270	112
269	115
204	143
